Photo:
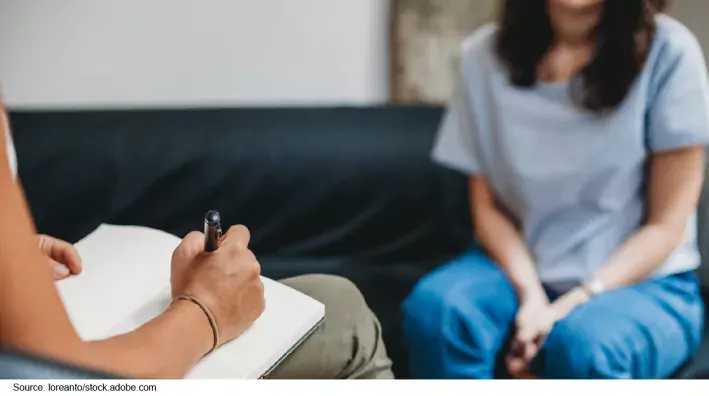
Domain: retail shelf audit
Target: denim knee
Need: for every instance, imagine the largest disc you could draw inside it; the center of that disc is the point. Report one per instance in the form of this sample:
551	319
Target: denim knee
457	318
471	292
574	351
422	309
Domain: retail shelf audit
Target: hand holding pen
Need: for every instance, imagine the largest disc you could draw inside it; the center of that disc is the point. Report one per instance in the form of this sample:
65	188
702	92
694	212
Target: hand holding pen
224	283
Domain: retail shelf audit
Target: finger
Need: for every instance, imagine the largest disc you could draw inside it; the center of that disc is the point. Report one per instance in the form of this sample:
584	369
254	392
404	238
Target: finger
518	369
192	244
516	366
517	348
530	351
509	364
59	271
526	335
194	238
539	339
62	252
238	236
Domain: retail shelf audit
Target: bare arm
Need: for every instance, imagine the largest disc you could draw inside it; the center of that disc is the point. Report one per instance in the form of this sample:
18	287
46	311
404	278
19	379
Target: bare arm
32	317
502	240
675	186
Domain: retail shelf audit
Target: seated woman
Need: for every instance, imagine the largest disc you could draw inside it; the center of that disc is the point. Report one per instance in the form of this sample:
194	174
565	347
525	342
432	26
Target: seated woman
582	126
227	282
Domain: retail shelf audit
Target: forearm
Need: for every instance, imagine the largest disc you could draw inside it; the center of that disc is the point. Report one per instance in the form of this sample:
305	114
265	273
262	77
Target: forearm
639	256
33	320
675	184
166	347
502	240
634	261
505	245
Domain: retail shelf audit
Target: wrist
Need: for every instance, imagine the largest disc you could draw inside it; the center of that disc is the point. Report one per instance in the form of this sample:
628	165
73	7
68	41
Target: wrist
532	293
201	329
572	299
594	287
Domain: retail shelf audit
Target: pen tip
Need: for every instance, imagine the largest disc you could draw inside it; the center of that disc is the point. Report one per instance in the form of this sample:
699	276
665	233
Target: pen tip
212	217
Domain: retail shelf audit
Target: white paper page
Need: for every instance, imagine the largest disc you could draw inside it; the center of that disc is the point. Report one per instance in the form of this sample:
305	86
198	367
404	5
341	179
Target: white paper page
122	268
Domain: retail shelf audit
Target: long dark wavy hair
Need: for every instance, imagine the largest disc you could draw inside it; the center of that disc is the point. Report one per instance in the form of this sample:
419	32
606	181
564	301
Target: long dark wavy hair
623	39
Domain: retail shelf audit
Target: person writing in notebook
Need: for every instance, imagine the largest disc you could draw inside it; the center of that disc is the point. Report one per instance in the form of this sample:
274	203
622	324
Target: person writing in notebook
582	126
227	282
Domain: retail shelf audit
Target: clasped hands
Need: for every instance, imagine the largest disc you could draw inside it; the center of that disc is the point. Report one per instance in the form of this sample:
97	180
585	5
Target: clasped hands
535	319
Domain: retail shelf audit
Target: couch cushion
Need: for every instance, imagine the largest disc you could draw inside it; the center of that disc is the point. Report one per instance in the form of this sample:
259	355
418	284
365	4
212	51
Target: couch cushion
307	182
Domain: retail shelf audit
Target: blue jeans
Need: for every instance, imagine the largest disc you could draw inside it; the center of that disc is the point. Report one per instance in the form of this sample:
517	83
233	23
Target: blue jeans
459	318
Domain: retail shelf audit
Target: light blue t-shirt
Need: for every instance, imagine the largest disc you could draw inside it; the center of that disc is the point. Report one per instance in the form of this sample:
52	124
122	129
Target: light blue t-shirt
574	182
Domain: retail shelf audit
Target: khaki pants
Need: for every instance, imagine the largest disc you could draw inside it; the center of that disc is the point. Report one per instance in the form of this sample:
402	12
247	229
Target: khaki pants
347	346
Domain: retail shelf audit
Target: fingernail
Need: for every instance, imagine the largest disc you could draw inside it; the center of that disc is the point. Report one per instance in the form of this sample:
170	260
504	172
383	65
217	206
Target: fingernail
61	271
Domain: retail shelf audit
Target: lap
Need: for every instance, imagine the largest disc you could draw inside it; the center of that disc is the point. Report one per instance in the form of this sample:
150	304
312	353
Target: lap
347	345
469	283
461	314
457	318
644	331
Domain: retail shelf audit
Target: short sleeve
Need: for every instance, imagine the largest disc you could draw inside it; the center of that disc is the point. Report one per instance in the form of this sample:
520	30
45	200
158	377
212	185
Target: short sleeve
679	114
455	143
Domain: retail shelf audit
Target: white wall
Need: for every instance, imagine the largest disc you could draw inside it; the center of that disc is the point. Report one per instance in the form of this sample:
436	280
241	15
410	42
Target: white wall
127	53
118	53
694	14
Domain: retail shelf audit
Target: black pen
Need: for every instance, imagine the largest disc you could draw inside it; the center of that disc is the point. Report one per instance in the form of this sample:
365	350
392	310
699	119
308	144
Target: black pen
212	231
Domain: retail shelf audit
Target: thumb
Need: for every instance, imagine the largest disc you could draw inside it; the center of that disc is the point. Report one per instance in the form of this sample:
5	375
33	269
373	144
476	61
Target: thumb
192	245
59	271
526	334
530	352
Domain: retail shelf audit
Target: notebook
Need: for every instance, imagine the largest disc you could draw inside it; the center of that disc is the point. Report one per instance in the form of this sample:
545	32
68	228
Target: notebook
126	282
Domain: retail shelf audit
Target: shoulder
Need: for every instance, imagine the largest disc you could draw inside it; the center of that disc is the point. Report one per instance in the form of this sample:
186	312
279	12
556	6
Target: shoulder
481	40
479	47
674	42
